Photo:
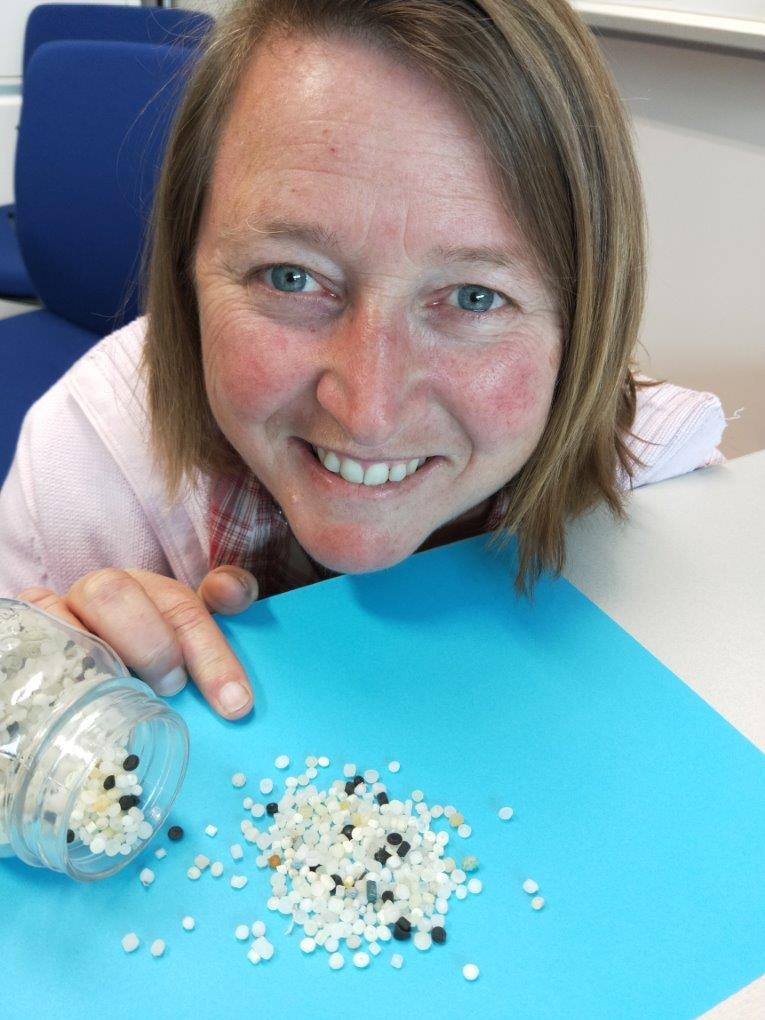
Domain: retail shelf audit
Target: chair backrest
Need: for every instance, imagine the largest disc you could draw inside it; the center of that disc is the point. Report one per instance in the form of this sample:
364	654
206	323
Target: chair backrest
164	26
93	129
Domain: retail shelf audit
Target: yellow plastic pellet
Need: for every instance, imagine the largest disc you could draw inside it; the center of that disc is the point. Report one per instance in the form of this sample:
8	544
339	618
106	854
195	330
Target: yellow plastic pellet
274	860
456	819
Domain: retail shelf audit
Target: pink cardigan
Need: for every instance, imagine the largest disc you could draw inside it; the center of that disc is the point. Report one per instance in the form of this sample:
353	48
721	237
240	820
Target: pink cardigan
84	491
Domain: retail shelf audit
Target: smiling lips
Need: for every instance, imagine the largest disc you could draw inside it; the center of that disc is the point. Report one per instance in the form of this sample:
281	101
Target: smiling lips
373	474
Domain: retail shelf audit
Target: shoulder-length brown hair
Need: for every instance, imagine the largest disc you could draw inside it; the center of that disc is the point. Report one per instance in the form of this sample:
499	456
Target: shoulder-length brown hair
536	88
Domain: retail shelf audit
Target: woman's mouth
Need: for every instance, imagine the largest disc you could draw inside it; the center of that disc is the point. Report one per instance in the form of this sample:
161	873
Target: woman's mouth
368	472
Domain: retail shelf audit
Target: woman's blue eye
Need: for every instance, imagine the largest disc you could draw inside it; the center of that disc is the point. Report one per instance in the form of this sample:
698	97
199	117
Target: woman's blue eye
474	298
288	278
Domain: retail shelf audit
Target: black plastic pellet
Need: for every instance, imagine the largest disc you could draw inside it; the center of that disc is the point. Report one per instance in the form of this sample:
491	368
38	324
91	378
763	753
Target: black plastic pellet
404	923
88	662
49	816
382	798
109	783
314	868
438	934
371	891
175	832
349	787
69	836
404	849
338	881
382	855
272	808
358	780
387	896
394	838
131	763
127	801
401	934
348	831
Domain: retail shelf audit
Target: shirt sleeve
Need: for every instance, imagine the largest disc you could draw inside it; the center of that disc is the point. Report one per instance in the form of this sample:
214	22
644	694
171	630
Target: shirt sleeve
676	430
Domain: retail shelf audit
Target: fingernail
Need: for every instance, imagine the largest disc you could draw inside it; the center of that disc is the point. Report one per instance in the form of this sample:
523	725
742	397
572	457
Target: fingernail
171	682
233	697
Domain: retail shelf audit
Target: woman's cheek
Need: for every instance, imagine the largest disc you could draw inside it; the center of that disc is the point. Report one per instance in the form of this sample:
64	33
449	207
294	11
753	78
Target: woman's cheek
507	398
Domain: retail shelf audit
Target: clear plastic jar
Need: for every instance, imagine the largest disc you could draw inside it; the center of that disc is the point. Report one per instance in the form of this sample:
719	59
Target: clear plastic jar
91	759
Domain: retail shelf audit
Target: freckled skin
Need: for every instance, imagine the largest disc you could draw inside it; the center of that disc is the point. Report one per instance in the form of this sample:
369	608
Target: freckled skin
374	359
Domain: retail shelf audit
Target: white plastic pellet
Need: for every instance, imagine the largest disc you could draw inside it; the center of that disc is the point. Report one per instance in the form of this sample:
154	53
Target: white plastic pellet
322	761
146	877
538	902
530	886
397	961
258	929
216	869
349	770
394	766
475	885
417	796
266	785
193	873
236	851
247	803
264	947
188	923
238	881
130	942
253	956
505	814
361	960
282	762
464	831
336	961
242	932
202	862
470	972
422	940
211	830
157	947
307	945
238	779
160	852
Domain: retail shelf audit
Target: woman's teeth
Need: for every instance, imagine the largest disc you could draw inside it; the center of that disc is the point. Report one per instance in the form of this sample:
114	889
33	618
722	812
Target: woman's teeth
375	474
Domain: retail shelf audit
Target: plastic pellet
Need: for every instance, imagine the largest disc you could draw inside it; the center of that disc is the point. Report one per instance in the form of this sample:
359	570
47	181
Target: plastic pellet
238	779
336	961
438	934
374	948
361	960
193	873
470	972
238	881
253	956
397	961
475	885
188	923
216	869
505	814
130	942
307	945
157	947
211	830
530	886
236	851
322	761
146	877
175	832
422	940
266	785
538	902
258	929
201	861
242	932
464	831
282	762
160	852
394	766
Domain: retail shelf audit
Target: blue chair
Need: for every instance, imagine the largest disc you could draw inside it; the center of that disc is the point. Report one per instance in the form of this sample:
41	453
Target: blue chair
105	22
93	130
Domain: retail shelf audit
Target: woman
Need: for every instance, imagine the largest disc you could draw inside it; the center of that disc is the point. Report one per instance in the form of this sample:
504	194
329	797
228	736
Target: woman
396	281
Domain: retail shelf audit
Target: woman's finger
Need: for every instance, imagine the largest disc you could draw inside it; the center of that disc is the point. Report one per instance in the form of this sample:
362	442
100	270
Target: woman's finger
228	590
52	603
114	605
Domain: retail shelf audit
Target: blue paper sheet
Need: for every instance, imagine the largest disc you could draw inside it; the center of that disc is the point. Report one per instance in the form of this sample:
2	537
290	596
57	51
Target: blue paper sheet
638	810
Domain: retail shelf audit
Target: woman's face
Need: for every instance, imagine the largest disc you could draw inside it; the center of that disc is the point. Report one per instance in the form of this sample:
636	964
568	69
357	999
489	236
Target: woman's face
365	303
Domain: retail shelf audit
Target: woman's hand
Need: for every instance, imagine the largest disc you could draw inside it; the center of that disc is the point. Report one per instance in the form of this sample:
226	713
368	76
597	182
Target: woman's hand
161	629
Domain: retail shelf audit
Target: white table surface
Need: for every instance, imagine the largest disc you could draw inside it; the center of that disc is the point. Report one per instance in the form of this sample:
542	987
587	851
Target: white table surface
685	576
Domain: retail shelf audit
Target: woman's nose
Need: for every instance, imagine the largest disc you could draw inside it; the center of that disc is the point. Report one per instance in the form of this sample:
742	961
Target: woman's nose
369	378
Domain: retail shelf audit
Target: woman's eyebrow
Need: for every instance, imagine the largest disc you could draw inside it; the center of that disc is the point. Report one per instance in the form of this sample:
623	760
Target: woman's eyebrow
318	236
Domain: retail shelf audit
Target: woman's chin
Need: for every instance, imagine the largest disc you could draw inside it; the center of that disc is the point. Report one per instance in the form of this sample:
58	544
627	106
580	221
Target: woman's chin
357	553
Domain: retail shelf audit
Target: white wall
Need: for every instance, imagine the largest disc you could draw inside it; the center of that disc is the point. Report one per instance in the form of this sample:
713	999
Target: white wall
699	117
